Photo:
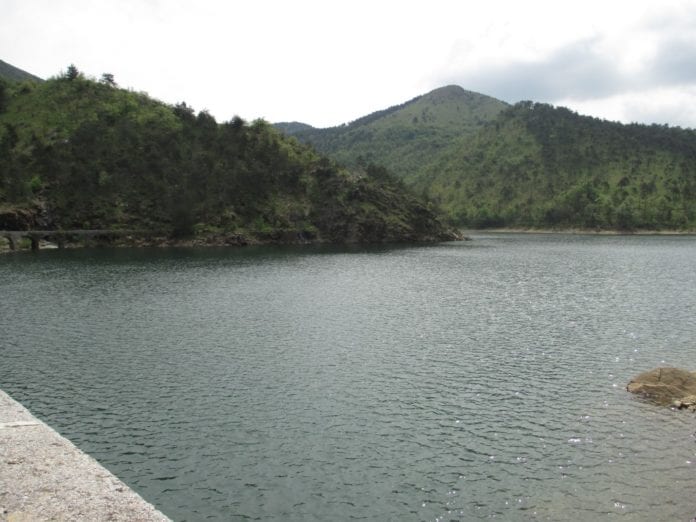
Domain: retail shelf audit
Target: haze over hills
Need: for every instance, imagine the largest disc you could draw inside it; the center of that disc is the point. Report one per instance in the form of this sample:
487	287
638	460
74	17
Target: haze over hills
12	73
404	137
528	165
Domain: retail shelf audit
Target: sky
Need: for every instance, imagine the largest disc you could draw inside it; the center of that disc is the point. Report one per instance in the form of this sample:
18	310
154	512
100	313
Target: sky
330	62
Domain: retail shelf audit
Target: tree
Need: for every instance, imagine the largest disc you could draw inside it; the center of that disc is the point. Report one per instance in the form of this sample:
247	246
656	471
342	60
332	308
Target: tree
184	112
72	73
108	79
3	96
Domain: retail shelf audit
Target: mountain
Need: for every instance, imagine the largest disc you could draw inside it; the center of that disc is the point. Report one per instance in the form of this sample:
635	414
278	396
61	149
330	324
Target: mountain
405	137
488	164
293	127
81	154
537	165
11	73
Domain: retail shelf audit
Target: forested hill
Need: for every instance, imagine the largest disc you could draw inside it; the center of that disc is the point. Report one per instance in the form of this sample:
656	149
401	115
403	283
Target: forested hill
488	164
11	73
537	165
405	137
81	154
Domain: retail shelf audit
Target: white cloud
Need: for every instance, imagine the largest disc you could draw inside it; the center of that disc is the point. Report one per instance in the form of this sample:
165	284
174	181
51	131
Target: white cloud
330	62
632	64
671	106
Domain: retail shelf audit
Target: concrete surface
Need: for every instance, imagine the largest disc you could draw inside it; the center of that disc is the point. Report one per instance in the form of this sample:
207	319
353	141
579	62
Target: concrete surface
43	476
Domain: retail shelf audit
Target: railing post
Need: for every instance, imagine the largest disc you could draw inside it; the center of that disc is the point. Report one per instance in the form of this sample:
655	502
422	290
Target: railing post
13	241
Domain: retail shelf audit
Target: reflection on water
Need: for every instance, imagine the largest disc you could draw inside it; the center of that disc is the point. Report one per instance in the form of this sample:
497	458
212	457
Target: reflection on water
457	381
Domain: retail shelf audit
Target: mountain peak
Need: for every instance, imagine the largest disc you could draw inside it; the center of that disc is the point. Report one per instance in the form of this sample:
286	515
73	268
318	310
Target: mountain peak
448	90
450	93
406	136
292	127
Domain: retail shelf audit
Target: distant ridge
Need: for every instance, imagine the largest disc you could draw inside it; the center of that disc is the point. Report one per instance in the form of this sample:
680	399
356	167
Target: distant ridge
542	166
489	164
440	96
14	74
292	127
404	137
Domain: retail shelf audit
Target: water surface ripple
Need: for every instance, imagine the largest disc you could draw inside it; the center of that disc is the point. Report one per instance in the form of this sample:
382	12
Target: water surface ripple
452	382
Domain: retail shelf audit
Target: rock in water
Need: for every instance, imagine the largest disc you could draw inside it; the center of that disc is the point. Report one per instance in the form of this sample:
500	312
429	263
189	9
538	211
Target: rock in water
666	386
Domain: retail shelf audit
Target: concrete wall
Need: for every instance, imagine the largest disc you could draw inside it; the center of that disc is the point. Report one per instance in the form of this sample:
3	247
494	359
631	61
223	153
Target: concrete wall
43	476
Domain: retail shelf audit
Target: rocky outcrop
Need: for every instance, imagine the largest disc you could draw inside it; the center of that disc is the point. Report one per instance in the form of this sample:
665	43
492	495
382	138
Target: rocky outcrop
666	387
17	219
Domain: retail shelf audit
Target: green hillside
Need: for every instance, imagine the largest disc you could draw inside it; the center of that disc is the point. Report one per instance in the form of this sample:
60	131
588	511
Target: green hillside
404	138
541	166
293	127
530	165
81	154
11	73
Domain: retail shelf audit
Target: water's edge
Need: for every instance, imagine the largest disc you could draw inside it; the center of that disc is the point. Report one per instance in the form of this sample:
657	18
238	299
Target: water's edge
46	477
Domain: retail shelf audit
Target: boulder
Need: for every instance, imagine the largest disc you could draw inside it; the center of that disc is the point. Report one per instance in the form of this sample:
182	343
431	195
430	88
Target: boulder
666	387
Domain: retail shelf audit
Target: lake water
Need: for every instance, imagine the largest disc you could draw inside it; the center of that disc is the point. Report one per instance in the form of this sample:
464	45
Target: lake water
458	381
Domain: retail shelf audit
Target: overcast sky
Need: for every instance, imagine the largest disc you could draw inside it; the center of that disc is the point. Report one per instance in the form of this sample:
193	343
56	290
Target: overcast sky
332	61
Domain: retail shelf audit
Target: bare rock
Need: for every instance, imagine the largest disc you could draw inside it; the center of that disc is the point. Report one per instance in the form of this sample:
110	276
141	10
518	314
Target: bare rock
666	387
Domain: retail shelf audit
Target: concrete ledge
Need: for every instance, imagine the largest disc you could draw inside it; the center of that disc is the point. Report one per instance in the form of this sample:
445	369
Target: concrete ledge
43	476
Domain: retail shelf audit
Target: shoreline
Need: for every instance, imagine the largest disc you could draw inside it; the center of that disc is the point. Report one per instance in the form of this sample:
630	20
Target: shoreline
579	231
231	240
239	240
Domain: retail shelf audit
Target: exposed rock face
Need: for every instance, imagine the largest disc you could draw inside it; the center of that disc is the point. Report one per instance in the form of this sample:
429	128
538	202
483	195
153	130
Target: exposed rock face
17	219
666	387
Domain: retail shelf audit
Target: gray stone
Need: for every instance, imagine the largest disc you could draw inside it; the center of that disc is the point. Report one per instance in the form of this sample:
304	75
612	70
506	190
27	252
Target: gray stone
43	476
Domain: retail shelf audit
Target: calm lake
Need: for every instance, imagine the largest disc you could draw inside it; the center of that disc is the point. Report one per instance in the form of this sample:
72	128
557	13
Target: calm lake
460	381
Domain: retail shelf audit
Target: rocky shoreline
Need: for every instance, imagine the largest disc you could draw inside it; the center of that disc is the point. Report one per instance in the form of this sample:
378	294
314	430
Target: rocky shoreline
216	240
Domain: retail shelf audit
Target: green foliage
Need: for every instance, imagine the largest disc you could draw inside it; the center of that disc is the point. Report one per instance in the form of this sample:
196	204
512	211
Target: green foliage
35	184
540	166
4	97
72	73
90	155
530	165
405	137
182	218
108	79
